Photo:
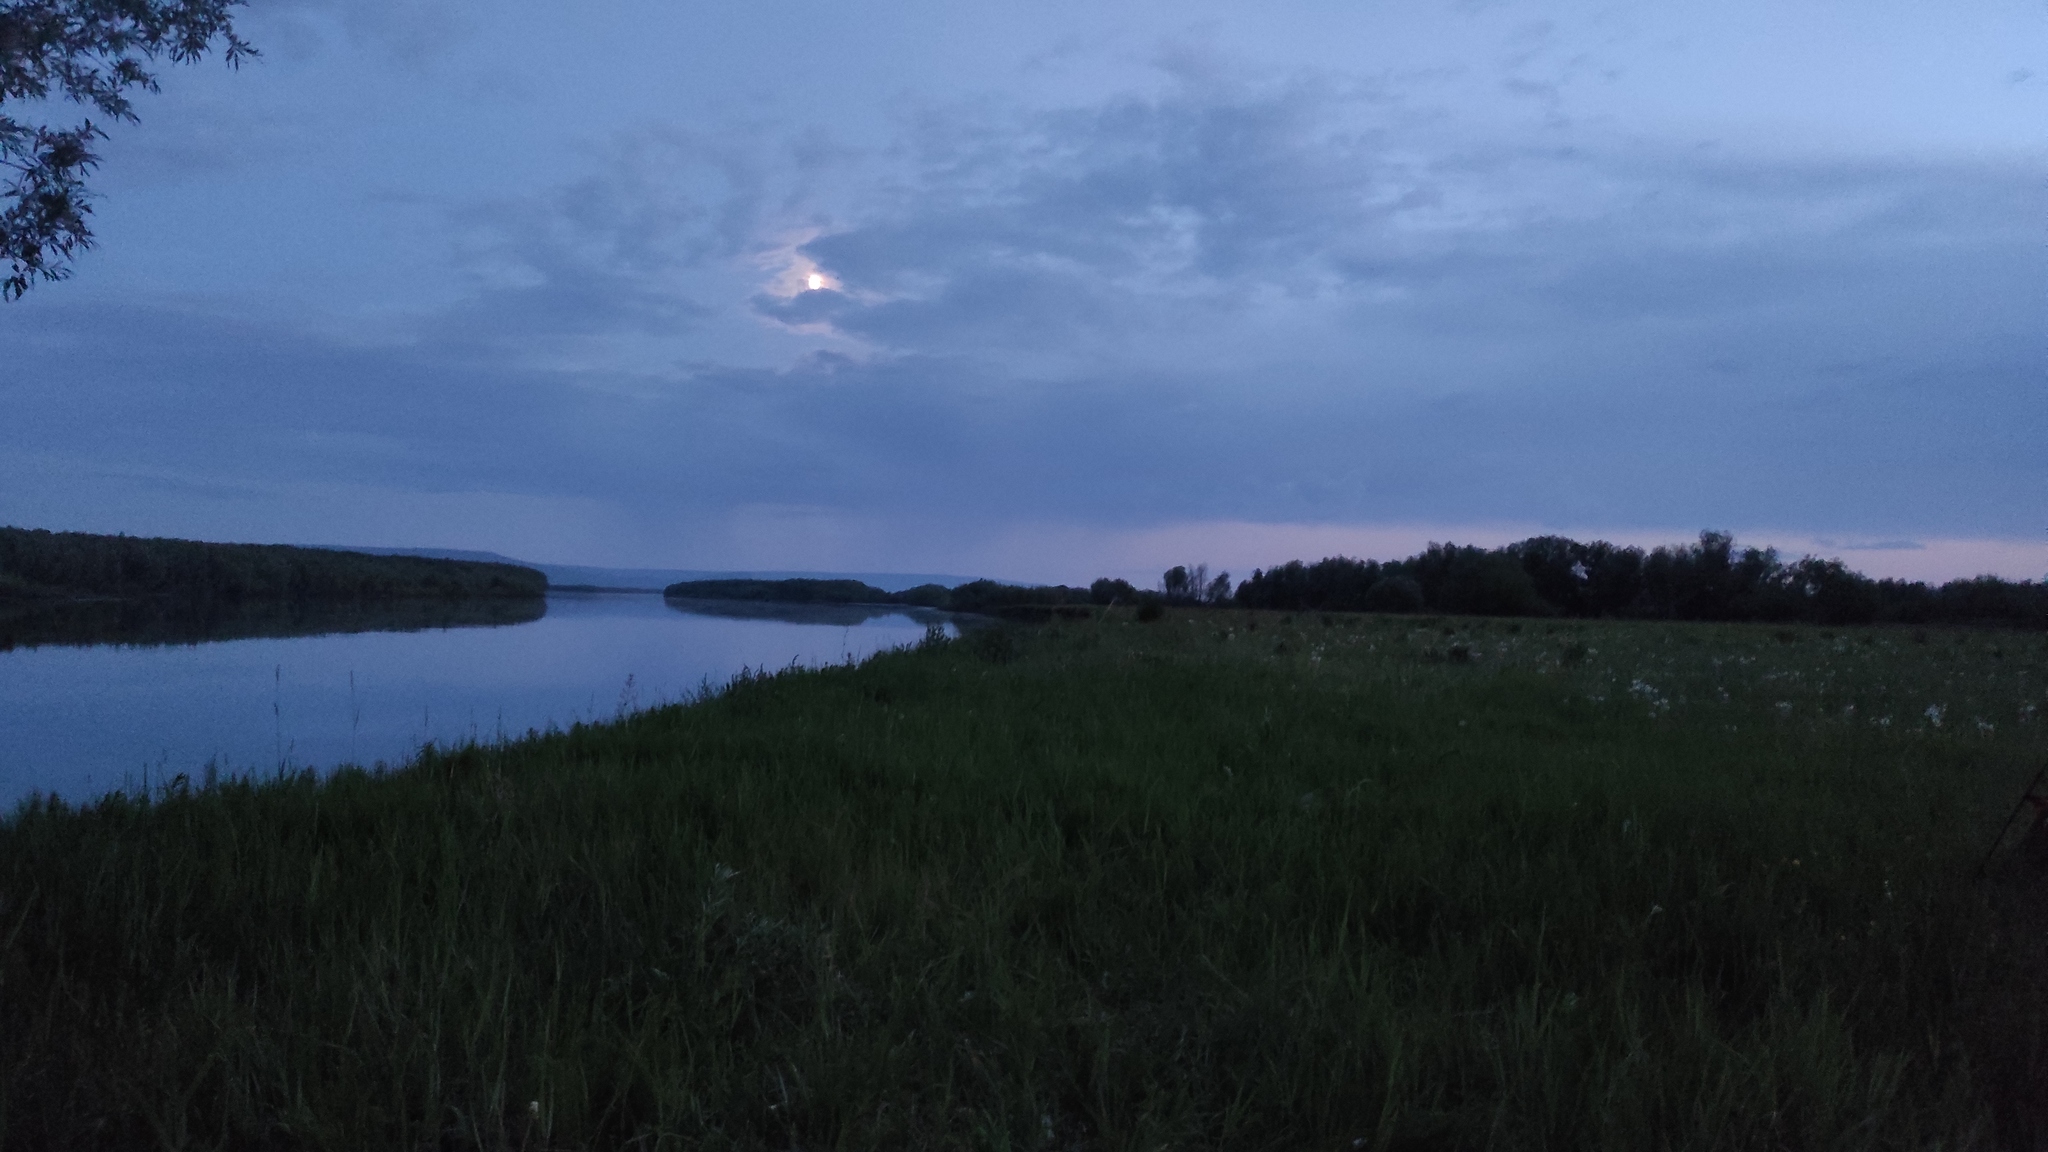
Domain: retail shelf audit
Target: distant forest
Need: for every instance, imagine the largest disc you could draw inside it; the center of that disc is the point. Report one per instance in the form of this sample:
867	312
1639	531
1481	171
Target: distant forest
1708	580
1711	579
986	597
52	566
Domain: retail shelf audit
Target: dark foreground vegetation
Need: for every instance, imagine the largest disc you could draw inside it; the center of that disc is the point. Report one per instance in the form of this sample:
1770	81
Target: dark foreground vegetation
38	566
1221	880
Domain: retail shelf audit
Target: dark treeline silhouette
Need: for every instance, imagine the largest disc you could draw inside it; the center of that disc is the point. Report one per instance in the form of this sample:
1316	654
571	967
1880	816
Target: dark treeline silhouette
985	597
1708	580
994	599
797	591
1711	579
154	622
42	565
1181	584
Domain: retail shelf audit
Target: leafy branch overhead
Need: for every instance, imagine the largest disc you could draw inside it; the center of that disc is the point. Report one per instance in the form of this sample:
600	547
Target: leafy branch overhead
90	52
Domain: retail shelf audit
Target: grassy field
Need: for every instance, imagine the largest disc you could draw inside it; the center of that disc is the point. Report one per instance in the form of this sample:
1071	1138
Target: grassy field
1222	880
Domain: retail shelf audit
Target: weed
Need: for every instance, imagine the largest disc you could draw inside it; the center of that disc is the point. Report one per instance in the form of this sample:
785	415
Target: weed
1105	887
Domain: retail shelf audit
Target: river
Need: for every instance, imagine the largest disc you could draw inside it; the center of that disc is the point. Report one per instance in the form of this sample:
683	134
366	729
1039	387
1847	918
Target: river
130	704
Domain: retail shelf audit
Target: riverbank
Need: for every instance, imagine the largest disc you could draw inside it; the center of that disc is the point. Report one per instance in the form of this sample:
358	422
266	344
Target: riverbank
1224	879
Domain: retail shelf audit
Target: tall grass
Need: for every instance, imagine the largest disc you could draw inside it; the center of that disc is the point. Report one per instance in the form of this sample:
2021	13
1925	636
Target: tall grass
1223	880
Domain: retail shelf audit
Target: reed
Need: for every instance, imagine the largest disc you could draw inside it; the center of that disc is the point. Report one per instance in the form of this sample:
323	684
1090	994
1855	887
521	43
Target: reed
1221	880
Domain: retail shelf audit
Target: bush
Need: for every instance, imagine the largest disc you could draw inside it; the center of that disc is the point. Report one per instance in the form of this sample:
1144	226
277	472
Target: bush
927	596
1488	584
1108	591
1393	594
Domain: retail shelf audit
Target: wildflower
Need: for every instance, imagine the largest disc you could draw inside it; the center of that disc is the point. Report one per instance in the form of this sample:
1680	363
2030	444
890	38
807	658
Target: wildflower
1934	715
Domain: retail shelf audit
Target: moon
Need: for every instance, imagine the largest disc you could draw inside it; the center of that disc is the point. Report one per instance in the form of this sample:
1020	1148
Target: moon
816	282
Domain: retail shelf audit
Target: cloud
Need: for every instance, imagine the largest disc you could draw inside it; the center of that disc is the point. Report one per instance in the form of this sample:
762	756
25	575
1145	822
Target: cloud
813	306
1294	302
1091	226
1297	226
412	33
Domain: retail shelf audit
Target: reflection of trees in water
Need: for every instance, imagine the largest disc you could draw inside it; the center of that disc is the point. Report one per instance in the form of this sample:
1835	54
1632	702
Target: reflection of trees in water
145	623
843	615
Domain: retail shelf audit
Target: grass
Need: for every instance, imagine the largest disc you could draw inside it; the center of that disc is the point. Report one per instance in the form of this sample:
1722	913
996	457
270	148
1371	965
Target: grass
1222	880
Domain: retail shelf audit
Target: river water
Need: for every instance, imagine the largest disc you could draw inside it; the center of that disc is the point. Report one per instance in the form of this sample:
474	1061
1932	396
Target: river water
79	718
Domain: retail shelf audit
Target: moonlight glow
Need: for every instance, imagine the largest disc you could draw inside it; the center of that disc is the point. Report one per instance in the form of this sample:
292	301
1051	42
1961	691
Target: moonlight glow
815	282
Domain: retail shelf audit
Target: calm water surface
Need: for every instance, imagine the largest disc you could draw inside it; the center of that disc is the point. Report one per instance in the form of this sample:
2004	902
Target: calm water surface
78	721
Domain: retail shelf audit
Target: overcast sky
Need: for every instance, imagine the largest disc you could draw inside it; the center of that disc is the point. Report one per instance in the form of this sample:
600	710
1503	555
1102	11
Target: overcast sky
1100	287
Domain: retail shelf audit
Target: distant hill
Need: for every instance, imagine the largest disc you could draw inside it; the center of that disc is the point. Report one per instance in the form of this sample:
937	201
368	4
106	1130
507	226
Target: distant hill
656	579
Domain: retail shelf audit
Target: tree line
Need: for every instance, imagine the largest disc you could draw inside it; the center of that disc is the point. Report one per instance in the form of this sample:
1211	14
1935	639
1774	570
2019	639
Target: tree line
983	597
40	565
1711	579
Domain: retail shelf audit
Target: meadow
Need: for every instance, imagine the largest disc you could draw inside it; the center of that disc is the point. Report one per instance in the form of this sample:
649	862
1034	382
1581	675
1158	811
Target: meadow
1224	879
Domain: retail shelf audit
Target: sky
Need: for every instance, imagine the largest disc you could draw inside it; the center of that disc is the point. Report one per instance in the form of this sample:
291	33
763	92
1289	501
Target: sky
1061	290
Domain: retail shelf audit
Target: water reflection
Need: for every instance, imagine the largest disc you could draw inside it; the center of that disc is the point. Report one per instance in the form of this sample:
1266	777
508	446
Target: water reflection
838	615
321	689
146	623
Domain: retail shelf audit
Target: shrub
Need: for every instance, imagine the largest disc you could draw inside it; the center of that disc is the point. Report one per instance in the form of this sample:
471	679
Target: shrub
1393	594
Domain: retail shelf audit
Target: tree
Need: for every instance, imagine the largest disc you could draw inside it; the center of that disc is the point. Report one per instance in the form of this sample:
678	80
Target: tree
1176	583
1192	585
1218	590
90	52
